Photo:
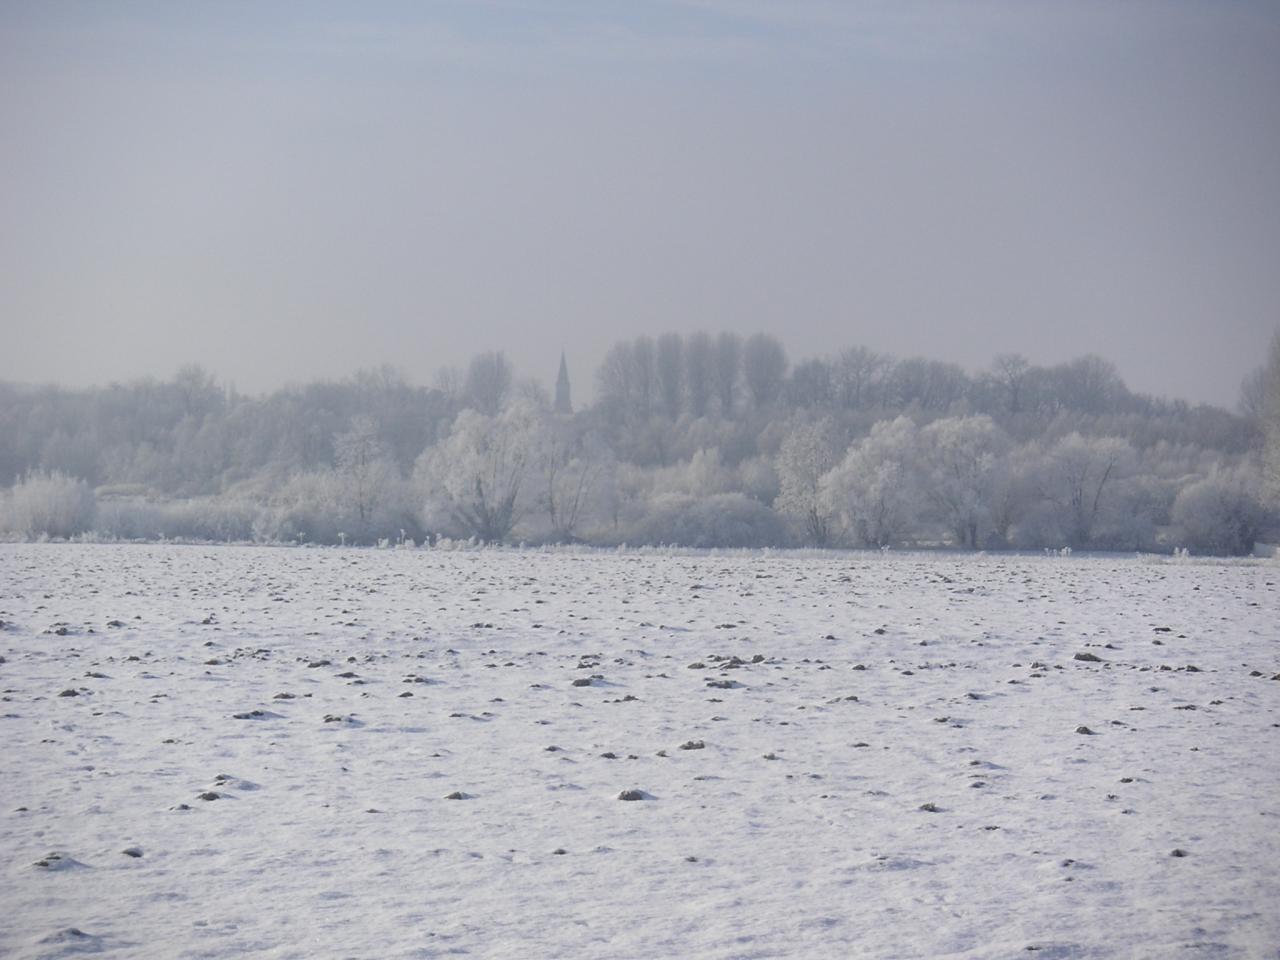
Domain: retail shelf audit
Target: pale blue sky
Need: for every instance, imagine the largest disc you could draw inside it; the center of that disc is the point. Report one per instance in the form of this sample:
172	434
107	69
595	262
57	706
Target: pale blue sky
286	191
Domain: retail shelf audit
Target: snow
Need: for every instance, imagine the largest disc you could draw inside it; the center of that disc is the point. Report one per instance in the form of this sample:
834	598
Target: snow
892	770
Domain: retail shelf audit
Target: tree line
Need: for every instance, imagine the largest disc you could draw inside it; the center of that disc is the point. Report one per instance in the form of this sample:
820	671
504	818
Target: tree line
697	440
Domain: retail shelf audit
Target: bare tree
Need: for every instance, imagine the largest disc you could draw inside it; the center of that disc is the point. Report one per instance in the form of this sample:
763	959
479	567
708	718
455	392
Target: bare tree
929	384
488	383
571	469
670	368
627	378
645	363
197	391
858	372
699	371
728	362
448	380
1009	370
1089	384
615	380
764	368
811	384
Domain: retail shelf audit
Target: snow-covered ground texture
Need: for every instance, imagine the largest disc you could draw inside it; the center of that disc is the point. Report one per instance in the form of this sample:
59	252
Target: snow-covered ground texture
229	752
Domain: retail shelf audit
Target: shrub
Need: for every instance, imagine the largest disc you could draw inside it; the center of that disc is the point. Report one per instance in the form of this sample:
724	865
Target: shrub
723	520
49	504
1222	513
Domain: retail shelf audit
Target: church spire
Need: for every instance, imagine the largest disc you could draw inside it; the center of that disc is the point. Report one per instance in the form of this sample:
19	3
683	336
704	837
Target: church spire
563	403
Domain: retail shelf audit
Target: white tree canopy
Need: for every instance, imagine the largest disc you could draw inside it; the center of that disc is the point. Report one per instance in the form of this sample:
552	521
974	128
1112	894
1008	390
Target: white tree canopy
875	490
963	464
808	453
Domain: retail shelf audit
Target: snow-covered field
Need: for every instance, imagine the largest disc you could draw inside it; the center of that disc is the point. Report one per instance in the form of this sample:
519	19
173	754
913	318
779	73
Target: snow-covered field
234	751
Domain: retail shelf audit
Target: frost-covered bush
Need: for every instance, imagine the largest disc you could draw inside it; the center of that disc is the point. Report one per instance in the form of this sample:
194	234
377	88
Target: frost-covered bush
706	475
758	479
48	504
1222	513
306	510
702	475
210	519
320	507
129	519
1141	503
723	520
207	518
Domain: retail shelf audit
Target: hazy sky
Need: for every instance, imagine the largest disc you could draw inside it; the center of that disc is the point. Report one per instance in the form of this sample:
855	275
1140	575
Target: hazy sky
290	191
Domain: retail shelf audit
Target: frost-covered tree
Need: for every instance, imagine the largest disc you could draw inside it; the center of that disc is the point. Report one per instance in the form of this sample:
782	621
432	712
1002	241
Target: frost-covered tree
195	441
1222	513
570	465
808	453
875	489
1079	479
1016	493
365	477
963	464
476	477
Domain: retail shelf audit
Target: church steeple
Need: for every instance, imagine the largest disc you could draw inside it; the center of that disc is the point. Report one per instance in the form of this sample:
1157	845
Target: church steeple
563	403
